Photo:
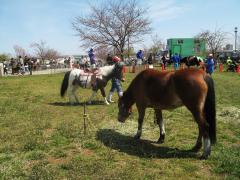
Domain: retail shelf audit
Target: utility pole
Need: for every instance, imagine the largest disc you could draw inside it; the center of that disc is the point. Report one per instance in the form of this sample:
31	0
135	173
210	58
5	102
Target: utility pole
235	30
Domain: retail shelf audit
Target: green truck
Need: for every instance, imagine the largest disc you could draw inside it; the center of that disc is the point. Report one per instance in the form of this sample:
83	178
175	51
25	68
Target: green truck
187	47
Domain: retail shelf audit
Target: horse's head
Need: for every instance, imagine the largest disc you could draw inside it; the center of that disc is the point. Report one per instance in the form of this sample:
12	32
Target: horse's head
118	73
124	109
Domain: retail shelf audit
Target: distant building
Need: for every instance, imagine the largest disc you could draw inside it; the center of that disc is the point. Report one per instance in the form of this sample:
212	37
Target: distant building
186	46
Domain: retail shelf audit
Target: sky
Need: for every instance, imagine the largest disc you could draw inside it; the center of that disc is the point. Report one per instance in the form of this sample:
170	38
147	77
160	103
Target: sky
23	22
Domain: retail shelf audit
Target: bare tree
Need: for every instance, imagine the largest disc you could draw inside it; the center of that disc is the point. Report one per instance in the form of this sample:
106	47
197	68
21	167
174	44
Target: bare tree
51	54
113	24
40	50
19	51
215	40
156	45
43	52
102	51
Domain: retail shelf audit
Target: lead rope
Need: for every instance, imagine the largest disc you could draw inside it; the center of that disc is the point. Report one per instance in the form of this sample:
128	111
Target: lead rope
85	115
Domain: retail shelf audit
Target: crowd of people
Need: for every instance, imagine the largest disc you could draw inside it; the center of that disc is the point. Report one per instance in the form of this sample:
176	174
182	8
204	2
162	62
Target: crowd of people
209	63
21	65
26	65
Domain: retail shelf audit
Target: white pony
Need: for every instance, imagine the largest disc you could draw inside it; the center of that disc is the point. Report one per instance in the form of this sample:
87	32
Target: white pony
78	77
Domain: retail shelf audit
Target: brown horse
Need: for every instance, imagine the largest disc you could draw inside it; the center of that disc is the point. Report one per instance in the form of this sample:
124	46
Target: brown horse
169	90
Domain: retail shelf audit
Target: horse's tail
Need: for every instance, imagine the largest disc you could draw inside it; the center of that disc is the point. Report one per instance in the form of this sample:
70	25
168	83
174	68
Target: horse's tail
210	109
65	83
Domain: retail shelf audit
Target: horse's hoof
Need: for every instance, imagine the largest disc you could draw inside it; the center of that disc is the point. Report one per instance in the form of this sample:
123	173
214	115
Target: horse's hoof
203	157
136	137
160	141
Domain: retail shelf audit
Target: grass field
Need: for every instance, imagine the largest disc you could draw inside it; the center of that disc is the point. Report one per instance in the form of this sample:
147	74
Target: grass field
41	136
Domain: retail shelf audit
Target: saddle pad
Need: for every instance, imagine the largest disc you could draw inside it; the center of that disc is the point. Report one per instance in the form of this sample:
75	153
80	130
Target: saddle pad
98	75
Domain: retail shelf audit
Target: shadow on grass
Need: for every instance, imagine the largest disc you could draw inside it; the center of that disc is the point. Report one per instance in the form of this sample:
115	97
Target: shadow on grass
77	104
141	148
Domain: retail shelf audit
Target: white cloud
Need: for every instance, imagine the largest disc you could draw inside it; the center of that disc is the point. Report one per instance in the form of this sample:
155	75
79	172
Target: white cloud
162	10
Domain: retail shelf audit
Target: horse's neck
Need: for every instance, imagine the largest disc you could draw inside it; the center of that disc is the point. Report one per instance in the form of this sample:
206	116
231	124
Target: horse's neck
129	95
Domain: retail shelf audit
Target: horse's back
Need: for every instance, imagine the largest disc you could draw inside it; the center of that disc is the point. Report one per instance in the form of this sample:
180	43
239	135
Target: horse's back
190	85
152	89
189	75
169	89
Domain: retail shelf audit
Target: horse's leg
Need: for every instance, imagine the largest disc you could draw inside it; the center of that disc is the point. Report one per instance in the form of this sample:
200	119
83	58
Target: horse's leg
141	114
92	96
198	144
74	93
203	132
104	95
160	123
71	94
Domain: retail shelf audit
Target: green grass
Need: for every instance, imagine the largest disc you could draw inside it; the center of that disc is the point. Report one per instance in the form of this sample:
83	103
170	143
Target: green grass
41	136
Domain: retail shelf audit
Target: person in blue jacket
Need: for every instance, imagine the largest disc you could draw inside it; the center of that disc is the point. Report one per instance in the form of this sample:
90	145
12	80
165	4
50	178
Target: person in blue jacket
210	64
176	61
139	57
91	56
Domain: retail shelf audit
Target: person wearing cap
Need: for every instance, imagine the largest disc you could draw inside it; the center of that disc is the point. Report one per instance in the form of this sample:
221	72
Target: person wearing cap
116	84
210	64
91	56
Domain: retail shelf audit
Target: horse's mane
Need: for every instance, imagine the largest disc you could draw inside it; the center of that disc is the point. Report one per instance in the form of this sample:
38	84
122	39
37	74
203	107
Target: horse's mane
129	93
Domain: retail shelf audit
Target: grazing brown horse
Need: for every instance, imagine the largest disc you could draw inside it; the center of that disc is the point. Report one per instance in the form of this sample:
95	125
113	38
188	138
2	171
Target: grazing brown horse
169	90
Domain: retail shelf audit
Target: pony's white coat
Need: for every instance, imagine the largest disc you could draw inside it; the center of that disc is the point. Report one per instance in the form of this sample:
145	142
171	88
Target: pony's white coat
84	79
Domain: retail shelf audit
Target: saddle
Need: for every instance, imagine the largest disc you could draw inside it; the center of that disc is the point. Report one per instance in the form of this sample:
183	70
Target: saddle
94	74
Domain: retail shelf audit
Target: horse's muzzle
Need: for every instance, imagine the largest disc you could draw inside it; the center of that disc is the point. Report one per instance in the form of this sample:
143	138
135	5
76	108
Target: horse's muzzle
121	118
